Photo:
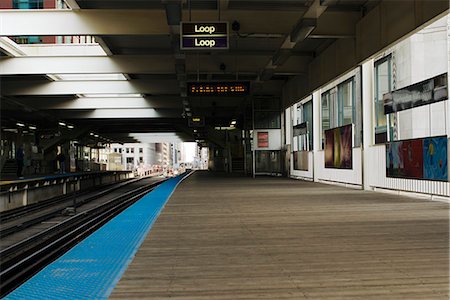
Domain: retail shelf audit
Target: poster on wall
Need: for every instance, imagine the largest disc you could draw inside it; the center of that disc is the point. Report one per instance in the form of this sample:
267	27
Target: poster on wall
435	155
404	159
301	160
263	139
339	147
421	93
418	159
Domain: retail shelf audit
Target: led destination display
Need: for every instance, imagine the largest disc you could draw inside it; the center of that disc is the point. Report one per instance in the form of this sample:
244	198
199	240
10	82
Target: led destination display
218	88
204	36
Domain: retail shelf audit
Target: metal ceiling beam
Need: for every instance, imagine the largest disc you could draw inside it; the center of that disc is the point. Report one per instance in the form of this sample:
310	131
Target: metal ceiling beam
88	65
131	64
72	4
120	113
304	26
134	86
82	22
10	48
163	102
129	22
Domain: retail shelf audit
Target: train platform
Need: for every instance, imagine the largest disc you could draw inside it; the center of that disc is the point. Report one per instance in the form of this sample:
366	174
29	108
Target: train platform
223	236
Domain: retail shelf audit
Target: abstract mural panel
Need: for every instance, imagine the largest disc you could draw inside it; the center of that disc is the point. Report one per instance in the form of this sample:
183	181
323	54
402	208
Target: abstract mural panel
418	159
339	147
435	158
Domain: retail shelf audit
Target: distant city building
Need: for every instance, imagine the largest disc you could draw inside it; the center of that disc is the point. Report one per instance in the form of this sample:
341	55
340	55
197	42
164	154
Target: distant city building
136	155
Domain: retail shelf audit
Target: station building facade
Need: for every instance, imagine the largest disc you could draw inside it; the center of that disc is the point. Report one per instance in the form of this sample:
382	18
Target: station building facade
343	133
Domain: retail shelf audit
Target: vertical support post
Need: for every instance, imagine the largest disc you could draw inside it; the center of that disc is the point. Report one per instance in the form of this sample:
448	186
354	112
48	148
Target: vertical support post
25	196
65	187
74	198
317	134
253	135
367	115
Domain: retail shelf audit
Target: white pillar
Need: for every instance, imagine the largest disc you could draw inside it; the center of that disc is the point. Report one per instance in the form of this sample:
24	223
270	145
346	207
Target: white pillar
316	129
368	128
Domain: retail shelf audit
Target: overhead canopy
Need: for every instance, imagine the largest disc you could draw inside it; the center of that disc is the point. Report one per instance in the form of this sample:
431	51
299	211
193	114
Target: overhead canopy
123	70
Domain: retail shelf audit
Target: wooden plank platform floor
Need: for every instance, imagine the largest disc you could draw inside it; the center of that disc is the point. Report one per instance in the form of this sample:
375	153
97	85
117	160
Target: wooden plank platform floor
225	237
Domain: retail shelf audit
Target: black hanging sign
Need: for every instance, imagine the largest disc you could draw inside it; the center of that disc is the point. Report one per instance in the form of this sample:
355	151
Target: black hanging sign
204	35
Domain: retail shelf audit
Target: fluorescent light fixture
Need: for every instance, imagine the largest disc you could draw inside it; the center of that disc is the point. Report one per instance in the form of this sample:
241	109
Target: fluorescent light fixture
20	124
62	123
70	126
195	130
84	77
328	2
10	130
32	127
96	135
225	128
233	122
110	95
91	133
53	77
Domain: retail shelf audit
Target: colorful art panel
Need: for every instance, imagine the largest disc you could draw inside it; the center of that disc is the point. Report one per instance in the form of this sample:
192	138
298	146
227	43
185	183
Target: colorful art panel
435	158
425	158
339	147
346	149
404	159
329	148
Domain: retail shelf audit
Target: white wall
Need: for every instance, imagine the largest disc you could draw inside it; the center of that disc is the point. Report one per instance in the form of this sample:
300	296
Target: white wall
422	56
274	139
345	176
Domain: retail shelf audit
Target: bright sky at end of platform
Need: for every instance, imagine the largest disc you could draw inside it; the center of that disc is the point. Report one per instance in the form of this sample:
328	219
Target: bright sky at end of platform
189	150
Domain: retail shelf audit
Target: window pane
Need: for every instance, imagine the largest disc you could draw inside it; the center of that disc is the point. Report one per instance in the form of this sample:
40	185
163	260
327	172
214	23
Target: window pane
28	4
325	111
308	117
382	87
267	119
325	114
346	102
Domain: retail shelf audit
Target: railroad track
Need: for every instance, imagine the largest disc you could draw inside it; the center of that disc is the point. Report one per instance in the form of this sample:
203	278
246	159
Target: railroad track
24	259
47	209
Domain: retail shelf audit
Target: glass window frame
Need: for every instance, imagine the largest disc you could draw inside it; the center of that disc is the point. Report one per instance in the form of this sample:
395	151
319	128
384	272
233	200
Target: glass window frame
387	59
340	88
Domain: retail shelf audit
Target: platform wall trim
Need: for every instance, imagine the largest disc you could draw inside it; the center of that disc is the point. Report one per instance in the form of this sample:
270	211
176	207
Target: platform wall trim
91	269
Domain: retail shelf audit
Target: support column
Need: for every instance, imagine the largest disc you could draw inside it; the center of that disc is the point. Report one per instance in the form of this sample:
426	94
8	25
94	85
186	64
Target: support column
316	129
367	115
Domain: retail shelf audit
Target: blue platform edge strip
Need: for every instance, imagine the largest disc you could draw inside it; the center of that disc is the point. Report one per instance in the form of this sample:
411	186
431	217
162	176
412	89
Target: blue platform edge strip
91	269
